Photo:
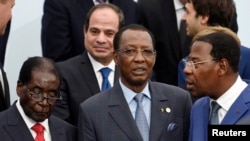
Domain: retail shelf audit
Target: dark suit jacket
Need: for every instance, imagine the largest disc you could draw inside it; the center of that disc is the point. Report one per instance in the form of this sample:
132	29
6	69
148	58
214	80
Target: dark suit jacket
107	117
3	43
62	25
4	100
13	127
200	115
159	16
78	83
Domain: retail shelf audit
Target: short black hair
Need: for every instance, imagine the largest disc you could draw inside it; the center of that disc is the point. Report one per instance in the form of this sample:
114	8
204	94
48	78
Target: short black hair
224	46
37	63
118	35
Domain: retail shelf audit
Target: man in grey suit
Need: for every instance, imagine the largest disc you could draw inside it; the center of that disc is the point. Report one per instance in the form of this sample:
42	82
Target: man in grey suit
112	115
38	90
81	77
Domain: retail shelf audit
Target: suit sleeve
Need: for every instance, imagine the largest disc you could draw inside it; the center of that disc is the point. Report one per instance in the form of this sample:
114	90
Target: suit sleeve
85	127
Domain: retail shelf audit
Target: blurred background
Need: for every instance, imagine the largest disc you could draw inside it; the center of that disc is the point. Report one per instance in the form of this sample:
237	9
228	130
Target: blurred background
24	39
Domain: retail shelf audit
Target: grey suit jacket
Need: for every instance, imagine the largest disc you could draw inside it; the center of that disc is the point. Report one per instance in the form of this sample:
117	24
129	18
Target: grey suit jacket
107	117
78	83
13	127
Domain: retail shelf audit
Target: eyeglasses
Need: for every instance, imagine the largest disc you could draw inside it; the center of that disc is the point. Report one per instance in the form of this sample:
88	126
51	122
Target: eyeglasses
192	64
134	52
37	95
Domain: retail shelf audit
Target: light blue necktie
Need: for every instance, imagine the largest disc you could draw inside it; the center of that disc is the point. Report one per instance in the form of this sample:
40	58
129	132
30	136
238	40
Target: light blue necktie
214	118
105	81
140	118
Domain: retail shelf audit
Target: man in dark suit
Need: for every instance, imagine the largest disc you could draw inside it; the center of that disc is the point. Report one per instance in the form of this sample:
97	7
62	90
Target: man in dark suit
38	90
62	25
5	16
112	114
4	90
3	43
172	44
81	76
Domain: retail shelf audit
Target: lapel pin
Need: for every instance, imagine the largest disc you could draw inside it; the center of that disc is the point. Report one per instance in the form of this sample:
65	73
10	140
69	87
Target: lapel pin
168	110
162	110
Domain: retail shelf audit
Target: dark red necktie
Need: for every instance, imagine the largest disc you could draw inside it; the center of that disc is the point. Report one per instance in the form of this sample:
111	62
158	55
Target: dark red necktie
39	129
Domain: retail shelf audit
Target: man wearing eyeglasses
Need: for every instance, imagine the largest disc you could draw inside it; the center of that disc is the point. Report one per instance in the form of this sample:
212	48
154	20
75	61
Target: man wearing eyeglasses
37	88
202	14
118	114
213	74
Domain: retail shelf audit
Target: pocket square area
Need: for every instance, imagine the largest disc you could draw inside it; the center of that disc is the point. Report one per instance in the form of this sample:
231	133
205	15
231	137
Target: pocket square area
171	127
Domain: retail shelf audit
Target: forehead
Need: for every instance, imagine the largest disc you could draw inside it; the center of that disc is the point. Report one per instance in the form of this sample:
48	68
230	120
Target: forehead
190	7
104	16
42	77
200	49
136	37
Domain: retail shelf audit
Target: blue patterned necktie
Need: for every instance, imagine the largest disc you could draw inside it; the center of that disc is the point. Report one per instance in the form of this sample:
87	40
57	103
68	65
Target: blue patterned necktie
105	81
140	118
214	118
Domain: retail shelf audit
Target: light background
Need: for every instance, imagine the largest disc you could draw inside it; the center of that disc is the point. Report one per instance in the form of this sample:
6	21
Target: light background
24	40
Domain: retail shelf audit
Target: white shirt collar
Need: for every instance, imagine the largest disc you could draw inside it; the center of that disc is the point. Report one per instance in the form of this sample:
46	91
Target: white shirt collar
228	98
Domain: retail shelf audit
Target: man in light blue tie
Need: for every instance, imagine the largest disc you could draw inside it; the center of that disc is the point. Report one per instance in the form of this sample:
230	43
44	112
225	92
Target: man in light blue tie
135	108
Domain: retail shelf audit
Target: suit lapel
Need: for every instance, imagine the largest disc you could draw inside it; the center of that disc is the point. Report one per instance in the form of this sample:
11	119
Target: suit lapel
120	113
88	74
158	119
57	131
16	127
238	109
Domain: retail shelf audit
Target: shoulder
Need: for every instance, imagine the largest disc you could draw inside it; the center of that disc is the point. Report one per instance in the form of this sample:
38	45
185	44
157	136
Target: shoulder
162	87
59	122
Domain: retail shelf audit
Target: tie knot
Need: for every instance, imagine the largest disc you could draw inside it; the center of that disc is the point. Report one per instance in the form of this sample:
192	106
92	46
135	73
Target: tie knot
215	106
105	72
139	97
38	128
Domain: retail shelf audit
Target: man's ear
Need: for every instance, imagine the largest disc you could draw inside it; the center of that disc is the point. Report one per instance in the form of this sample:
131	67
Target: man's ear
19	88
204	19
223	67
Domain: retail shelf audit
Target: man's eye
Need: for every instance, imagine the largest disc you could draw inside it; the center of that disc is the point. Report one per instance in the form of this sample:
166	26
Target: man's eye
37	91
52	94
130	51
148	52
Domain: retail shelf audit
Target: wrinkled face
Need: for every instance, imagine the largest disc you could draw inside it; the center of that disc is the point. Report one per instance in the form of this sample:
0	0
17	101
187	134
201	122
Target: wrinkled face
5	14
103	25
44	82
193	22
135	58
202	77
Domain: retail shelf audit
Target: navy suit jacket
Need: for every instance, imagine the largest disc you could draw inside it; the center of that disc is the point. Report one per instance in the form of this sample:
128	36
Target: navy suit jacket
4	100
13	127
200	115
107	117
62	25
78	83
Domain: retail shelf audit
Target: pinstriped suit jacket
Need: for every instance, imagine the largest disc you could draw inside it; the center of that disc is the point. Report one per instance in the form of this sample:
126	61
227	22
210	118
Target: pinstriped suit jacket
107	117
